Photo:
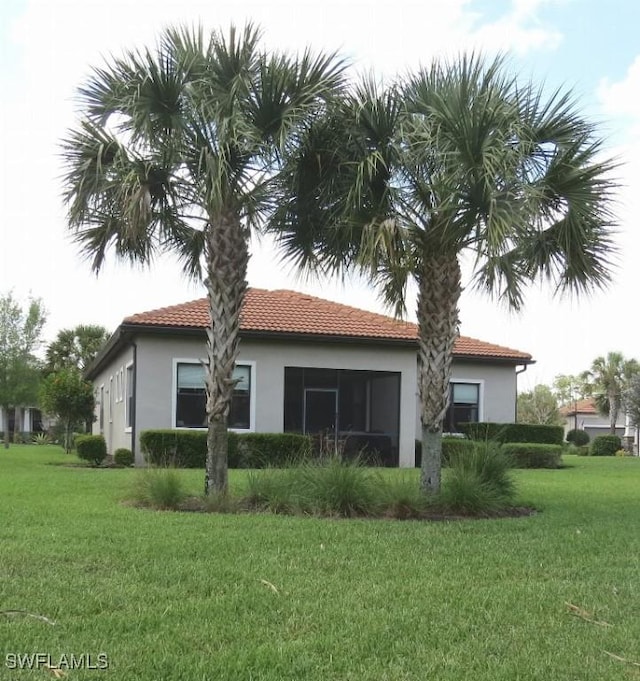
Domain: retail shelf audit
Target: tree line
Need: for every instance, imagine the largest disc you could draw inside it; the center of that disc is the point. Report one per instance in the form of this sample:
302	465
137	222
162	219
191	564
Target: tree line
612	381
53	382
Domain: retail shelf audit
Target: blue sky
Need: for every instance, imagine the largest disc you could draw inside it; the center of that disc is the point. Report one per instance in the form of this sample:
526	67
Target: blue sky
48	46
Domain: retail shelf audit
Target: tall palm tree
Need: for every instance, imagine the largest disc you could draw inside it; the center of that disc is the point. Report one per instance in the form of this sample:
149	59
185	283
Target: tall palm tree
458	159
176	150
607	380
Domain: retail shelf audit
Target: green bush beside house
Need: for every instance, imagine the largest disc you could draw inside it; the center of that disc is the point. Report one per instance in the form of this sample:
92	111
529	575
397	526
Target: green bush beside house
188	449
605	445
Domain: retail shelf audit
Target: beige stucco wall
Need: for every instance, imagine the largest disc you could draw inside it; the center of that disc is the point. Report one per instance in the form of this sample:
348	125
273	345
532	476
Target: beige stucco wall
157	356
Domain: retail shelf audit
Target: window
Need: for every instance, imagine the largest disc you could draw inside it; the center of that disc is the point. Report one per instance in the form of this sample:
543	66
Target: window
190	410
129	406
464	405
101	411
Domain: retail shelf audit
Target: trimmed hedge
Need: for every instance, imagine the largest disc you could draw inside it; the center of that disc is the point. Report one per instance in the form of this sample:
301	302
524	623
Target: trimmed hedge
451	447
514	432
605	445
533	454
92	448
123	457
259	450
188	449
578	437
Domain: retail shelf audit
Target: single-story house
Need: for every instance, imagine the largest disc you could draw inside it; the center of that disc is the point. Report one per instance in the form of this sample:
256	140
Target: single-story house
584	415
305	365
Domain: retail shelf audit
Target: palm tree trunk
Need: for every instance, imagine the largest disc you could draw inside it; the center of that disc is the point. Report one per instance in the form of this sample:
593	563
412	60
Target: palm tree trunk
17	425
614	410
227	257
439	290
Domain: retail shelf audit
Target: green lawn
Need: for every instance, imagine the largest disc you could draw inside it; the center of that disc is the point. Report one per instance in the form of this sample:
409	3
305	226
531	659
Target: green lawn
204	597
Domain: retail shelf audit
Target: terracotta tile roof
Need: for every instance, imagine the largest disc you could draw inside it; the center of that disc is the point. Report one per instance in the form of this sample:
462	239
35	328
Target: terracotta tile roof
290	312
587	406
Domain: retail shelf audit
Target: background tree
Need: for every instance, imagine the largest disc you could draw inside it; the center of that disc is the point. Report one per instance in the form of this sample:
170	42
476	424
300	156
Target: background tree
67	396
607	380
539	406
569	388
20	336
631	399
75	348
458	161
177	150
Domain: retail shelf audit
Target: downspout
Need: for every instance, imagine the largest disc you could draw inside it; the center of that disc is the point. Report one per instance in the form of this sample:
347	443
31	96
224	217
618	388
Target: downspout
515	409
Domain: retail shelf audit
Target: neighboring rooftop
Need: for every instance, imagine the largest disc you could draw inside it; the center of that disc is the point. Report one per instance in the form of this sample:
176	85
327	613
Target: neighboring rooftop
586	406
289	312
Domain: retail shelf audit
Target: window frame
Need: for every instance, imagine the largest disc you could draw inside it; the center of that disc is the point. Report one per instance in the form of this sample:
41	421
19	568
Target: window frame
252	393
468	381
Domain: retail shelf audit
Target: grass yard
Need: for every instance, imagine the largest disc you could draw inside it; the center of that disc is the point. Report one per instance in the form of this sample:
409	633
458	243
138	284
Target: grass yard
193	597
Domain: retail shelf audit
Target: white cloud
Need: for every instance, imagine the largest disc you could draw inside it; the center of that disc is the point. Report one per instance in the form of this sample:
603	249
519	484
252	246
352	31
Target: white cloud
622	98
520	30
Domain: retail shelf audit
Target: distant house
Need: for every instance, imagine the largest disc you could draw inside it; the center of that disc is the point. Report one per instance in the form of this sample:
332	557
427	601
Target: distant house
30	421
306	365
584	415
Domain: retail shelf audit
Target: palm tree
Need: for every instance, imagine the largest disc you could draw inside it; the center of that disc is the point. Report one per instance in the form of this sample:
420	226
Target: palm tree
607	380
459	160
75	348
176	151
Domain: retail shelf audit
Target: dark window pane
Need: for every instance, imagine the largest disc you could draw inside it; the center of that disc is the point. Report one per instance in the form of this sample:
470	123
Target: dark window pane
190	409
191	401
463	406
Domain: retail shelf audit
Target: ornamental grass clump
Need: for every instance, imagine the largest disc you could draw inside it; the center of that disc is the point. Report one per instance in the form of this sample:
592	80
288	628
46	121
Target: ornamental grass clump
341	487
331	486
274	489
479	482
158	488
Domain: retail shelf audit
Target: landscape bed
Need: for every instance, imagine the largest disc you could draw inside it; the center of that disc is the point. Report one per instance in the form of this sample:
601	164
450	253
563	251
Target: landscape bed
257	596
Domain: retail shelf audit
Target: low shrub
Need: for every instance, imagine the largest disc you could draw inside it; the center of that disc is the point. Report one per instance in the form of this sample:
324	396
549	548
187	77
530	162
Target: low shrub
402	498
273	490
464	492
180	448
92	448
605	445
188	449
41	439
123	457
479	481
578	437
159	488
328	486
259	450
341	487
513	432
533	454
450	447
583	450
